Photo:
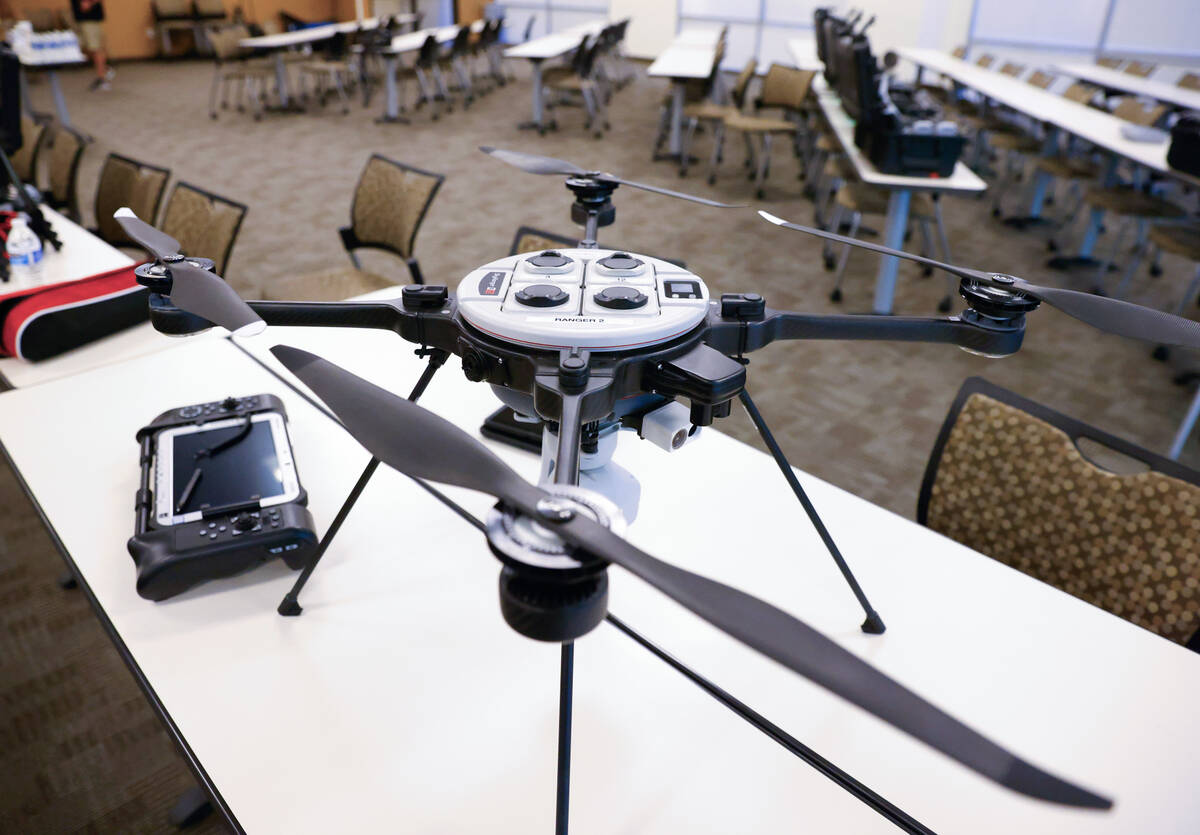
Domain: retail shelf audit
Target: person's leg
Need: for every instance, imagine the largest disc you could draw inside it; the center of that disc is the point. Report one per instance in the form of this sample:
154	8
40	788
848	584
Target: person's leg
92	41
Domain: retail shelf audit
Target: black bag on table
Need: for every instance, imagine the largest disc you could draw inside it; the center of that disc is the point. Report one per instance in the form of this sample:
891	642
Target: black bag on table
1184	151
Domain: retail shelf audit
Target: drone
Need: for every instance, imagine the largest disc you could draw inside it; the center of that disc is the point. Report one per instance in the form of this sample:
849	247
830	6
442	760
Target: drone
588	341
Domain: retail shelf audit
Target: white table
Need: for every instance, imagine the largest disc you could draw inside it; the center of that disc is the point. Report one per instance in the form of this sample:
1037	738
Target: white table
50	70
410	42
399	701
690	56
1180	97
803	52
311	34
547	47
1057	113
962	181
85	254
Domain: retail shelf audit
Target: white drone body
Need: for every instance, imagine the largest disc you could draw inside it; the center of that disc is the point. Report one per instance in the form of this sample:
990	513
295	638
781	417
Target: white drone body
594	299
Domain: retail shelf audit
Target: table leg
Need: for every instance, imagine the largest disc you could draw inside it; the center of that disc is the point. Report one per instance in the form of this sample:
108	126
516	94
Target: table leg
537	122
1185	428
893	234
26	102
675	143
281	79
391	108
60	103
1083	258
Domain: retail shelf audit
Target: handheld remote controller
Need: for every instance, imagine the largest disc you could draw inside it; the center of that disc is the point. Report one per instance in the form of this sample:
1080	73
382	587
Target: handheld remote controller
176	550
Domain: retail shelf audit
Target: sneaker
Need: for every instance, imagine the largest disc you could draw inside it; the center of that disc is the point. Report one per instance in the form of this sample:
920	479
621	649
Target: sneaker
95	85
110	74
104	86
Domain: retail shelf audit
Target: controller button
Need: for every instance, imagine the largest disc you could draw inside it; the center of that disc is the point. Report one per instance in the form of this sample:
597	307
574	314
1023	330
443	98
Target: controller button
620	261
549	259
620	298
542	295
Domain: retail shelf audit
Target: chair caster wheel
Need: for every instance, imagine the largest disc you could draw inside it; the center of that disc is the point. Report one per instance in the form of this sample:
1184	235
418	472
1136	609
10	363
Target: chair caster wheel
944	305
760	194
995	213
212	116
1097	290
1155	270
712	179
926	272
1160	353
829	264
836	295
258	117
1052	245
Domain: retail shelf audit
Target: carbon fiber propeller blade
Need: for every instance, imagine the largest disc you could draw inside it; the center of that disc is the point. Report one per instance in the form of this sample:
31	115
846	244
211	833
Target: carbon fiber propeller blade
418	443
535	164
157	243
1112	315
208	295
193	289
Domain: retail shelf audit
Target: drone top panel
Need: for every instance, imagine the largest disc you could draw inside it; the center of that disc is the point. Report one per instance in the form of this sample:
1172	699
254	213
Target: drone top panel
597	299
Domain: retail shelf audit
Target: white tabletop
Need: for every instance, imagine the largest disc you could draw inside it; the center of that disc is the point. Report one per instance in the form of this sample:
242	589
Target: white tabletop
400	700
1095	126
311	34
963	180
556	43
690	54
83	254
411	41
1129	83
803	52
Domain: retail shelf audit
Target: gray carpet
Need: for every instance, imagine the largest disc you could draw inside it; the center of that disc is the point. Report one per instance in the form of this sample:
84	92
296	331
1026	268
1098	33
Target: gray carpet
81	751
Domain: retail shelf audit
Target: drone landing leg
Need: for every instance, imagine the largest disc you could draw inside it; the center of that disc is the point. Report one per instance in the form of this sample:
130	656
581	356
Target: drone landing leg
880	804
565	681
290	605
873	624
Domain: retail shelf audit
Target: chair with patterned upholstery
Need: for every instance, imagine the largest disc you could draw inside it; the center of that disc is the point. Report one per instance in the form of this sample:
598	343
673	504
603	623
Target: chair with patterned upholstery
529	239
129	183
1074	507
205	224
390	202
24	161
1142	69
1110	62
65	149
1189	81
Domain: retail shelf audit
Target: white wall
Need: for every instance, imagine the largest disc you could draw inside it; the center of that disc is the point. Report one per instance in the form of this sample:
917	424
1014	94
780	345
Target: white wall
651	25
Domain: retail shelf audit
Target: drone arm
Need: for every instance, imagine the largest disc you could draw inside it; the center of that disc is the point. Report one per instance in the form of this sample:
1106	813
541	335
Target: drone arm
967	331
382	315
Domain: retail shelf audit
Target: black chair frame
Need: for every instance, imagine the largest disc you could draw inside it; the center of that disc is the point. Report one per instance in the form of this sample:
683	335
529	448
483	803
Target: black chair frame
69	206
351	241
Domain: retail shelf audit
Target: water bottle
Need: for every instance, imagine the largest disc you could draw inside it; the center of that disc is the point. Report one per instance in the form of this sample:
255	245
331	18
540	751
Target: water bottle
24	250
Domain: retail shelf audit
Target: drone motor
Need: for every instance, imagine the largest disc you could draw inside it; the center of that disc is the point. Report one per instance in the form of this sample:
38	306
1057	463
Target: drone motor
549	591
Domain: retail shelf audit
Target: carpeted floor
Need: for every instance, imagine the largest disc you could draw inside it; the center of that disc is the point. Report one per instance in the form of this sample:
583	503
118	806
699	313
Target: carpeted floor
80	749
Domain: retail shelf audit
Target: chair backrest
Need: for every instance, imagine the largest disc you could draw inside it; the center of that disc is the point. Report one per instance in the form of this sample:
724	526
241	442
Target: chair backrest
1040	79
1007	478
529	239
1110	62
1012	69
225	41
24	161
462	41
1140	112
579	57
205	224
786	87
427	55
1190	81
742	84
1080	92
66	149
959	52
985	60
127	182
209	8
172	9
1142	69
529	28
390	201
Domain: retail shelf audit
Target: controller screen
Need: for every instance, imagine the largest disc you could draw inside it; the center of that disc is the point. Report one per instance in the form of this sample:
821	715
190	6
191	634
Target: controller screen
247	470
